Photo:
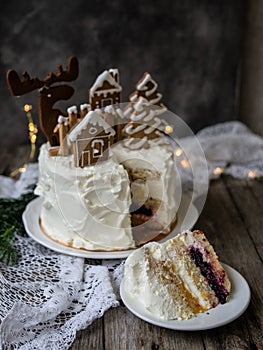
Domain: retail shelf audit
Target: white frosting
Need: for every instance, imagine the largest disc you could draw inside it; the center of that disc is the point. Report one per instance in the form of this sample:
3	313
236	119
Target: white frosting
147	115
131	129
63	120
85	207
72	110
85	106
156	99
135	144
143	283
142	84
89	207
117	112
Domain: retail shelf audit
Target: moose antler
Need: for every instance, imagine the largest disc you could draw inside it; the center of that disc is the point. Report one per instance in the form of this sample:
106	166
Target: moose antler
20	87
70	74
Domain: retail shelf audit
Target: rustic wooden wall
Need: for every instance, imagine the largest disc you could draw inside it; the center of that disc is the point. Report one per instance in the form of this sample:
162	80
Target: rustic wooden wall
193	50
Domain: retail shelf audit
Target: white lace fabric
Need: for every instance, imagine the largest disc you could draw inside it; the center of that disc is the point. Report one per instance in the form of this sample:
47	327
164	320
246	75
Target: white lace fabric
47	297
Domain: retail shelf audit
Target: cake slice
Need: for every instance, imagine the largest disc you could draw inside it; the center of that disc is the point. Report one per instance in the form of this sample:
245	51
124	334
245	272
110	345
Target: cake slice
179	278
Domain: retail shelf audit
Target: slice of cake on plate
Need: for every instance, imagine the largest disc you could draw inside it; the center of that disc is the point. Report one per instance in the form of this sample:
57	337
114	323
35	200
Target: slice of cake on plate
177	279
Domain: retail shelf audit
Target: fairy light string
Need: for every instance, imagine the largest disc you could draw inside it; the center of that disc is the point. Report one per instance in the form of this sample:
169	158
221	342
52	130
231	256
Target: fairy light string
33	130
32	134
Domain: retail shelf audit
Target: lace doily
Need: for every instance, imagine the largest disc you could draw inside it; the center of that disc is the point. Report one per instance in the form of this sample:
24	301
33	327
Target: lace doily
48	297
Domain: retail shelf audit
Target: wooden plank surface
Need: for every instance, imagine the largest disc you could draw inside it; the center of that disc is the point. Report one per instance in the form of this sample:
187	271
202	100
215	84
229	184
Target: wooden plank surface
232	219
229	226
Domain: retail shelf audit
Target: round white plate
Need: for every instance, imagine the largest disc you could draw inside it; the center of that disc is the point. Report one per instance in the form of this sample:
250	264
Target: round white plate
186	217
219	316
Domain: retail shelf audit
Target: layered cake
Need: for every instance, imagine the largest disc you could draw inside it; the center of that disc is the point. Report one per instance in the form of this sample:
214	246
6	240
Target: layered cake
115	204
106	173
177	279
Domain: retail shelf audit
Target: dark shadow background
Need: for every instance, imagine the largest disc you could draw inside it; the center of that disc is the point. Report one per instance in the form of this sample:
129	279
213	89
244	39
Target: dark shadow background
191	48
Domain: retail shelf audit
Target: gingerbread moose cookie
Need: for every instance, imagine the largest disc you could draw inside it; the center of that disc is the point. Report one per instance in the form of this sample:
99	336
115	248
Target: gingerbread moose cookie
48	94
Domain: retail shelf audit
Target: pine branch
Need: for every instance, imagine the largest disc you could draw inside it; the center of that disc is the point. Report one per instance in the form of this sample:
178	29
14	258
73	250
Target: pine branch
11	211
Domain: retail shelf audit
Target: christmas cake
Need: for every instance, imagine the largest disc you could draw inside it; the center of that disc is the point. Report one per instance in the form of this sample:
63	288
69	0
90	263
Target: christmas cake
106	174
177	279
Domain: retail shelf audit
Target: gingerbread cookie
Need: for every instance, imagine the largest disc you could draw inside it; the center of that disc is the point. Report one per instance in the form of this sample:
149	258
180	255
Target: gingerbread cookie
147	88
48	95
106	89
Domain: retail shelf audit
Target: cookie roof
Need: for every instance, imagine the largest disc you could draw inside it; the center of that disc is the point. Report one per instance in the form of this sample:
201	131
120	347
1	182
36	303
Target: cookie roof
92	118
107	77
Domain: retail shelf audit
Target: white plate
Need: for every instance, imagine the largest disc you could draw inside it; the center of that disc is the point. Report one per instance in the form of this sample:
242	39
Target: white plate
219	316
186	217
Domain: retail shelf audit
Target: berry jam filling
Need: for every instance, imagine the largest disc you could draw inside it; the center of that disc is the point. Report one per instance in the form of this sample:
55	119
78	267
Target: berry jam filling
143	210
214	281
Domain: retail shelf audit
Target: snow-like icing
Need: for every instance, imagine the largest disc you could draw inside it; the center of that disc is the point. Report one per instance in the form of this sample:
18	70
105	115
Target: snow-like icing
141	86
94	118
157	99
153	127
140	104
116	112
138	116
131	130
105	76
72	110
138	144
85	106
63	120
133	97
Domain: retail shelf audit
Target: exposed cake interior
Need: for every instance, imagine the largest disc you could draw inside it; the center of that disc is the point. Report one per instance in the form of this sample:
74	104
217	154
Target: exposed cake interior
153	185
179	278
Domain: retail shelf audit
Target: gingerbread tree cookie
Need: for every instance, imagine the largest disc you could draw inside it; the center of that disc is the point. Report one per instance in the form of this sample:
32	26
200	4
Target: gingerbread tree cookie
147	88
145	124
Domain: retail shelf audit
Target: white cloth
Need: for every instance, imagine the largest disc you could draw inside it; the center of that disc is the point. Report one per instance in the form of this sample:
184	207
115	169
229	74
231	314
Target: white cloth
48	297
229	148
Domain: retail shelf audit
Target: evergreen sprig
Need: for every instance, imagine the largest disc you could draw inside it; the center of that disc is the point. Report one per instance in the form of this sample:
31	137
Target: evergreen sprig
11	211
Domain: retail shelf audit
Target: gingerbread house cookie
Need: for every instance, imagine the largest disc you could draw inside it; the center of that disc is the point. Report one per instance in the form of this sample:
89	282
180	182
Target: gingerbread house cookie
106	89
91	138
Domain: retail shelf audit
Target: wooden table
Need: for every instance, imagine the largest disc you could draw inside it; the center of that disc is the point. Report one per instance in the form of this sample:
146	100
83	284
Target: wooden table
233	222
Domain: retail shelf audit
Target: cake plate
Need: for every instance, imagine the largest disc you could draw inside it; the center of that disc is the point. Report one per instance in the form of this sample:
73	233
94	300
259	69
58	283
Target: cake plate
222	314
187	216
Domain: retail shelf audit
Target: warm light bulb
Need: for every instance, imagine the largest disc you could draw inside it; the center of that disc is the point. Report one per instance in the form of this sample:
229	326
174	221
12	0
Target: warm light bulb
168	129
33	139
184	163
218	171
178	152
252	174
31	127
27	108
